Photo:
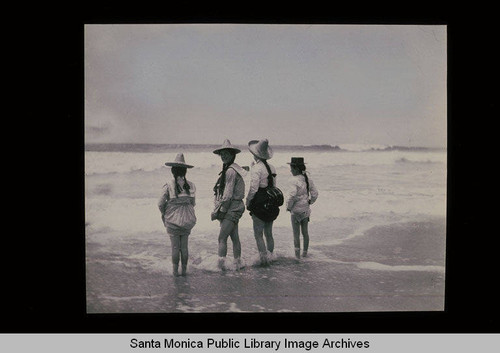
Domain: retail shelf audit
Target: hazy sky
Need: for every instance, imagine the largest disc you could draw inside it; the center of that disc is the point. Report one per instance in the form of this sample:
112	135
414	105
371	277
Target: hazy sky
294	84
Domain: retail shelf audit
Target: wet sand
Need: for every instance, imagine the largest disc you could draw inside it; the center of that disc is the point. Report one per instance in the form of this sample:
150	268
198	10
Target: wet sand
397	267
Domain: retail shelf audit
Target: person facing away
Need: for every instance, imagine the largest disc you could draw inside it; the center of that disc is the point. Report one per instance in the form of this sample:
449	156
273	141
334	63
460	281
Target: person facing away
176	205
229	192
261	152
301	194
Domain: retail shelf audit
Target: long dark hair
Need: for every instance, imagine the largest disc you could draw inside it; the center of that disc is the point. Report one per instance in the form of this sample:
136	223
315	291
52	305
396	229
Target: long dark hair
180	172
221	181
270	179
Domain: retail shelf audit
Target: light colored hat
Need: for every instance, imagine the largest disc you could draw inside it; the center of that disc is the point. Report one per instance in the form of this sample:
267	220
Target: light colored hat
227	146
261	149
178	162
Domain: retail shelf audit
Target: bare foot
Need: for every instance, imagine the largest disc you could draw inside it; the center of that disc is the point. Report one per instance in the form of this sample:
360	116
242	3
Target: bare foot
221	264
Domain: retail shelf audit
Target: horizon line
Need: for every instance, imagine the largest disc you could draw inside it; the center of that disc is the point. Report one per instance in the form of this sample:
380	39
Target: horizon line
333	146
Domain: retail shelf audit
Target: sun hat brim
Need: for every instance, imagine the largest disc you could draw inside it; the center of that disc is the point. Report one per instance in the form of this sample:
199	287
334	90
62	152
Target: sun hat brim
252	147
219	150
174	164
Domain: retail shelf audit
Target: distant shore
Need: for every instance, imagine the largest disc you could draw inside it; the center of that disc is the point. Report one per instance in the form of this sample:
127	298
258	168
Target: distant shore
152	147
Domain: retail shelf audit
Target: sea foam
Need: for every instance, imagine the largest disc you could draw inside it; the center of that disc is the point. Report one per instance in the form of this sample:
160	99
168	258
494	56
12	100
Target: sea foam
128	162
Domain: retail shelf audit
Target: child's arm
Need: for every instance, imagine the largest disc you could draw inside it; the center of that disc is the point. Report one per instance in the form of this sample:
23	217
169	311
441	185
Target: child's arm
228	189
291	194
313	191
192	192
162	202
254	185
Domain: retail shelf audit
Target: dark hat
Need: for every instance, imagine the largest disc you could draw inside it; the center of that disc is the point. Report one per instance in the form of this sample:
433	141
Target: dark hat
261	148
297	161
227	146
178	162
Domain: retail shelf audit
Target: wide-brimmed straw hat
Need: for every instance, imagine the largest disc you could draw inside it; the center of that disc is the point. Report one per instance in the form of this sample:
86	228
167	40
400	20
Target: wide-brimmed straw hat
261	149
296	161
178	162
227	146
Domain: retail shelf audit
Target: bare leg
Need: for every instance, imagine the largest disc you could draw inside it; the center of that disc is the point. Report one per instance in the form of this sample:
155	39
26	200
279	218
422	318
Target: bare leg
184	253
258	231
305	234
268	232
296	238
226	228
175	242
235	238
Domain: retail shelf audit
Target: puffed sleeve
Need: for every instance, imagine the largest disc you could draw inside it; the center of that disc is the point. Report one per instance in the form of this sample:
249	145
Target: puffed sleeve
192	192
165	196
254	184
291	193
313	191
228	189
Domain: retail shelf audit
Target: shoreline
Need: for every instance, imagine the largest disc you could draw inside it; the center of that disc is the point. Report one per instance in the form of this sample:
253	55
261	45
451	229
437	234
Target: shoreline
394	267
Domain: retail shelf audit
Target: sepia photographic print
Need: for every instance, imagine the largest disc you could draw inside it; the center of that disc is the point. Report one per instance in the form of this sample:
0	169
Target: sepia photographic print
350	119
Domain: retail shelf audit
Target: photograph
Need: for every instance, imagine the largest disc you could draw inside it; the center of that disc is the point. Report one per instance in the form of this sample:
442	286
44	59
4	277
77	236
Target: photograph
265	168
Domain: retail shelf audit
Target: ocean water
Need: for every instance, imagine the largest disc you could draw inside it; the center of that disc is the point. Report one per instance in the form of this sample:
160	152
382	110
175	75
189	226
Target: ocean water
361	188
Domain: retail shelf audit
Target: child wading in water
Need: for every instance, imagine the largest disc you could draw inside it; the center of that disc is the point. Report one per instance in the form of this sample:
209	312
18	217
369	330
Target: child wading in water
261	174
301	194
176	205
229	191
